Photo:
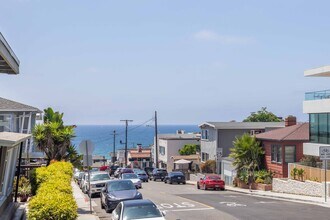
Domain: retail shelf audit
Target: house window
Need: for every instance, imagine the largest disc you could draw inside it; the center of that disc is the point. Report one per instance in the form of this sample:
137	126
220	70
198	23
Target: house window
161	150
205	156
290	154
276	153
205	134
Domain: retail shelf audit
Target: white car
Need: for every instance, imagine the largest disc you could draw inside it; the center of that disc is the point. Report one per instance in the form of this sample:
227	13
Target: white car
134	178
98	180
137	209
84	182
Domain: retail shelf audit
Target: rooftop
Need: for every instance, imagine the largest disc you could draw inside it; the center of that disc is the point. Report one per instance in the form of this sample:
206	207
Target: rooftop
9	63
298	132
7	105
320	71
242	125
179	136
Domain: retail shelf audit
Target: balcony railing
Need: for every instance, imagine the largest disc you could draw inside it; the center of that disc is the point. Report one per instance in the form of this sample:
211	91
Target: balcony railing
325	94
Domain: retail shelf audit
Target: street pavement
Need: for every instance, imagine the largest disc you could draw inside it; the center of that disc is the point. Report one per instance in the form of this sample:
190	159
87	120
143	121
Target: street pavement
181	202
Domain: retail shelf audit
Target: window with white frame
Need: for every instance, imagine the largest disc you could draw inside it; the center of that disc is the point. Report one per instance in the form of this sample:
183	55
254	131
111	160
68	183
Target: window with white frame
161	150
205	134
290	154
276	153
205	156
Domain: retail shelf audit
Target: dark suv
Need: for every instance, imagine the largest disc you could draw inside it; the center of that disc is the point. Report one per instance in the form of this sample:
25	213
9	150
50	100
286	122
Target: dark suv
158	174
175	177
113	168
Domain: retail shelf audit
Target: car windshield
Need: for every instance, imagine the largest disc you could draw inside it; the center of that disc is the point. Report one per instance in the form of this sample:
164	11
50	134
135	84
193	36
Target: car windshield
97	177
120	185
142	173
161	171
141	212
129	176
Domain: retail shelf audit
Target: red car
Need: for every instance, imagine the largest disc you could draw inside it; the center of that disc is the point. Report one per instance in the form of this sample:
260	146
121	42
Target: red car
211	181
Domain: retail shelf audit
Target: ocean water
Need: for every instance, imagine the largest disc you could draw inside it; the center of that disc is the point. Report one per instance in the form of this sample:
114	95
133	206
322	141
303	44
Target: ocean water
102	135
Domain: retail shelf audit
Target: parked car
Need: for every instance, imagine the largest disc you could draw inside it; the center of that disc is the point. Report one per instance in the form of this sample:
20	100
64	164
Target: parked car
133	177
104	168
112	169
98	180
142	175
116	191
136	170
117	172
175	177
211	181
84	182
158	174
76	175
81	174
149	170
137	209
126	170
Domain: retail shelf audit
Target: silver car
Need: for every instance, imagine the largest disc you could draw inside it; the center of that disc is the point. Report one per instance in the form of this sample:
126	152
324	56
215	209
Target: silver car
134	178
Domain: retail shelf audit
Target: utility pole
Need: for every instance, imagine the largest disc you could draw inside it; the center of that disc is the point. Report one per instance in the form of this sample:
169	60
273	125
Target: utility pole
126	123
156	137
114	147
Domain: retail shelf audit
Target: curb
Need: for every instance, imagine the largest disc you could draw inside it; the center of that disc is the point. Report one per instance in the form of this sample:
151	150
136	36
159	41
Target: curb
279	197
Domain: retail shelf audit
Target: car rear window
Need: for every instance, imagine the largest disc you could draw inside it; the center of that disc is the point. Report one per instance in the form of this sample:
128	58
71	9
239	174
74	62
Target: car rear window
141	212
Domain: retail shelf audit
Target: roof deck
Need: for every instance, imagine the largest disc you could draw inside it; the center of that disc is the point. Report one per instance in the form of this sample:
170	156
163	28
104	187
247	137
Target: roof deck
323	71
9	62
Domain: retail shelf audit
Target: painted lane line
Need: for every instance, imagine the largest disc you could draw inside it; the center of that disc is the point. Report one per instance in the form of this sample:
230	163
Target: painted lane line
185	210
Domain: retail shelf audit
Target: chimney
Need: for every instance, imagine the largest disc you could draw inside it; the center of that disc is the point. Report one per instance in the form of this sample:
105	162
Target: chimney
290	120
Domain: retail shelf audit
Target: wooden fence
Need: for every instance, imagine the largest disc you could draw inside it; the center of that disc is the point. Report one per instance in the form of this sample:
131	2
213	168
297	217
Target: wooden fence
311	173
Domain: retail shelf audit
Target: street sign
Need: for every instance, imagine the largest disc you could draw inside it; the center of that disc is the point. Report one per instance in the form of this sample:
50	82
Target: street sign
324	152
88	162
86	145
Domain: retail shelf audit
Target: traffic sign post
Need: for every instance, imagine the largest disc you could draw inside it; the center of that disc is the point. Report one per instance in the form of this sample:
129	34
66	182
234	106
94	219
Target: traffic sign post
87	147
325	156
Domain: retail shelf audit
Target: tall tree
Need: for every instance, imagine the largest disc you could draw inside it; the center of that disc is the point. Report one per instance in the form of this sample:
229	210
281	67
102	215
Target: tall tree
262	116
53	137
247	154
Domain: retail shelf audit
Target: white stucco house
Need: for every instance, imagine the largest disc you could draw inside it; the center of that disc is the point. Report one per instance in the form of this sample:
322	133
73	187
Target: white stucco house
169	145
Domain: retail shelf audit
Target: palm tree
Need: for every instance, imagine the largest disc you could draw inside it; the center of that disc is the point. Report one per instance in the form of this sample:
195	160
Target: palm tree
52	137
73	156
247	155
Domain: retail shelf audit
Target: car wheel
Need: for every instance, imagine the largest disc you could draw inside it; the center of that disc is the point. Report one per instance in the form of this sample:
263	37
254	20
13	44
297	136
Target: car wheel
184	183
198	186
147	181
223	189
102	206
165	181
170	182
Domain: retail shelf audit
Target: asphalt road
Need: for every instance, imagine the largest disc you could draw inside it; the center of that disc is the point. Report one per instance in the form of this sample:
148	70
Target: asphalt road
186	202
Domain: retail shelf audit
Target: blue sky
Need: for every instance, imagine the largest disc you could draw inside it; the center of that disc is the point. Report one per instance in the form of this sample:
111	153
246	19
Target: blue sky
192	61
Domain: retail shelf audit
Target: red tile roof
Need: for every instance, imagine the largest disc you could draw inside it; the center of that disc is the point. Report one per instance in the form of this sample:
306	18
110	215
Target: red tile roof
298	132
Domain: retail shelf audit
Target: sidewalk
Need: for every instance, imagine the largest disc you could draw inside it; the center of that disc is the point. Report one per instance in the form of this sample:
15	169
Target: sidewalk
83	204
283	196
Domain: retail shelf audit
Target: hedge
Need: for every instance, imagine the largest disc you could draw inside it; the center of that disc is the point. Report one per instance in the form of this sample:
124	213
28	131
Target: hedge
54	199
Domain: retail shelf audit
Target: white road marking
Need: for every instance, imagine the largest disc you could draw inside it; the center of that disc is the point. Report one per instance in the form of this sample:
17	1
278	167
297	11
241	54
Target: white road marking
233	204
231	196
263	202
185	210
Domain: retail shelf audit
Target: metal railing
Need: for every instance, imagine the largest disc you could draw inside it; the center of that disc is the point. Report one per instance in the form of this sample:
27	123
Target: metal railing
325	94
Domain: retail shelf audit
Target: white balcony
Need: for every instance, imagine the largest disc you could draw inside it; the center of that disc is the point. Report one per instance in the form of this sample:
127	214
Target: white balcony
312	149
316	106
320	71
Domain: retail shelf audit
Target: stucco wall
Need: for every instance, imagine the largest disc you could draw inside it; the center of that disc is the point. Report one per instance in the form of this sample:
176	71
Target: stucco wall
307	188
209	146
226	138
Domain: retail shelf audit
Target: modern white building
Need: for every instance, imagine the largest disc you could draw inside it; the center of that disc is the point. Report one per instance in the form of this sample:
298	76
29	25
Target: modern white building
169	146
317	105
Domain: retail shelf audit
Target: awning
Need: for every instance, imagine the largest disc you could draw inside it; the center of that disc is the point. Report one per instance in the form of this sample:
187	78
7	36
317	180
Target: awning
183	161
9	63
11	139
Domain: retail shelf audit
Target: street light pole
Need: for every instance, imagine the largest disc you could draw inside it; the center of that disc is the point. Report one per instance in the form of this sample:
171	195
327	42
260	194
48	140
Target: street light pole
114	147
126	123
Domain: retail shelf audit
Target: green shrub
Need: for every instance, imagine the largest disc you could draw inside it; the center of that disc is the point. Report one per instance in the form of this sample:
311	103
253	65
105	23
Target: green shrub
294	173
54	199
259	180
52	205
243	176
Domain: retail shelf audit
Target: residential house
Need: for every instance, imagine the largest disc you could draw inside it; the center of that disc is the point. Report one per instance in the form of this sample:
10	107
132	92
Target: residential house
317	105
10	143
21	118
217	137
283	146
170	144
139	157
